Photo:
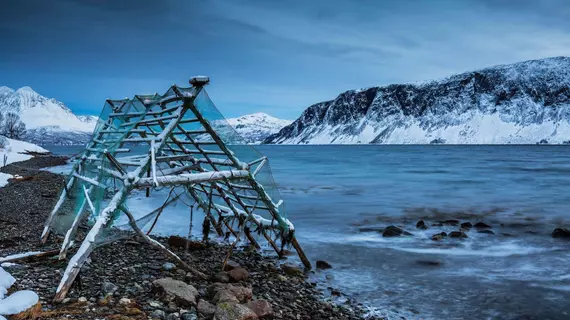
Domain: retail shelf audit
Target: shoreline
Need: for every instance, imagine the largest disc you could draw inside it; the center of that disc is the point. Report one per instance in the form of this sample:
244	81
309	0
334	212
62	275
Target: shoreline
132	267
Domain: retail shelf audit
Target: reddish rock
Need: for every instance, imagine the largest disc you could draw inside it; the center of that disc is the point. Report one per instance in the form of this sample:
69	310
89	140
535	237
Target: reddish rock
238	274
179	242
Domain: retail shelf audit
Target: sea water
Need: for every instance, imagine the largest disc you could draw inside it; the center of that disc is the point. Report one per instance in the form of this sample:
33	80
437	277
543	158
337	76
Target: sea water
338	195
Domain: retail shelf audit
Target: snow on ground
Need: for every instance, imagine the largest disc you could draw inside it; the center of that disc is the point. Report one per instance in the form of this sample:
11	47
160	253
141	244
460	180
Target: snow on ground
16	302
11	151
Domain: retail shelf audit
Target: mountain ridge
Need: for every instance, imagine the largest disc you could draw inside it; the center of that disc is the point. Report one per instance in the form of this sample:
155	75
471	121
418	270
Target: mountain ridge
524	102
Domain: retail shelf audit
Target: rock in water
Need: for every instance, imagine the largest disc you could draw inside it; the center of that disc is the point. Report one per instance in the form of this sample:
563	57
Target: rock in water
482	225
457	234
466	225
392	231
450	222
486	231
321	264
261	308
238	274
439	236
421	225
181	293
233	311
561	233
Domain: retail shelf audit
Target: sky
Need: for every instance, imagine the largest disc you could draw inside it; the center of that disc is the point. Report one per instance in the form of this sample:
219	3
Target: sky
269	56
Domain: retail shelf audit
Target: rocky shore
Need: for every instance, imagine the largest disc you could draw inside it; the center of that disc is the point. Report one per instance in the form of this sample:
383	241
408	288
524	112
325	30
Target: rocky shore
131	280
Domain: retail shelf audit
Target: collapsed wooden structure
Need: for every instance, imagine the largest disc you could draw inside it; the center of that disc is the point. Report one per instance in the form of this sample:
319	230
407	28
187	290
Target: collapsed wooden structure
178	141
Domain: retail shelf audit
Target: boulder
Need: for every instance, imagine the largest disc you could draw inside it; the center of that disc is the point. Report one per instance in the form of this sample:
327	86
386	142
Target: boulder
225	292
457	234
486	231
466	225
177	291
233	311
561	233
291	270
482	225
238	274
179	242
450	222
439	236
392	231
438	224
421	225
262	308
321	264
206	309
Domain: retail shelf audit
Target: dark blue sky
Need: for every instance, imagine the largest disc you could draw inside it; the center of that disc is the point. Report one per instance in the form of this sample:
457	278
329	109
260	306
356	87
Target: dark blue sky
263	55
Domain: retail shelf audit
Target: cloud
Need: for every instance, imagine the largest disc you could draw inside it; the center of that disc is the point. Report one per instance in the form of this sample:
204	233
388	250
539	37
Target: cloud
278	55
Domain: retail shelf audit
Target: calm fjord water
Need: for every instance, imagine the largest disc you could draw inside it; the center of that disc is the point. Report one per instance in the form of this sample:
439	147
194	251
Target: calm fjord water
333	192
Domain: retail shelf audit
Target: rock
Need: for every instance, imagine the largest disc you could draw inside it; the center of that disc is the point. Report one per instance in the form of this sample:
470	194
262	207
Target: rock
233	311
450	222
173	316
108	288
429	263
482	225
179	242
561	233
206	309
238	274
169	266
457	234
291	270
421	225
321	264
231	265
225	292
221	277
158	314
439	236
486	231
174	290
392	231
192	315
262	308
125	301
437	224
466	225
82	300
371	229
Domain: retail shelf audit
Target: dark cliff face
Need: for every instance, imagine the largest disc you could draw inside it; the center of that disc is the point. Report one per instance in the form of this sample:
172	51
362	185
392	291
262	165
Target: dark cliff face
521	94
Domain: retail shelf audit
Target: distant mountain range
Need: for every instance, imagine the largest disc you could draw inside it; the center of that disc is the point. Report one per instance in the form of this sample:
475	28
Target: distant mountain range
49	121
521	103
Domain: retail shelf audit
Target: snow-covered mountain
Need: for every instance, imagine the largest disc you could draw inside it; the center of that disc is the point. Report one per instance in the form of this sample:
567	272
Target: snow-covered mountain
522	103
254	128
47	121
